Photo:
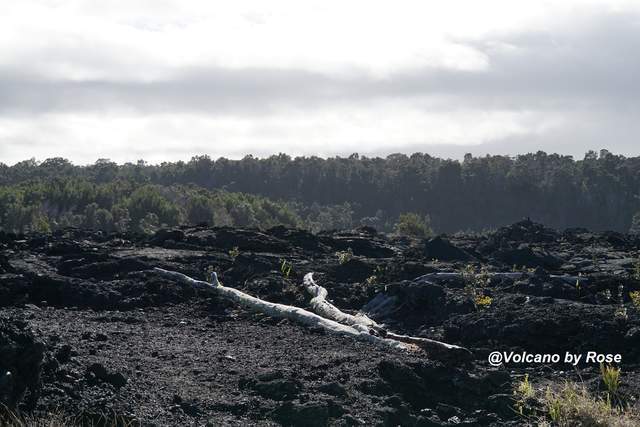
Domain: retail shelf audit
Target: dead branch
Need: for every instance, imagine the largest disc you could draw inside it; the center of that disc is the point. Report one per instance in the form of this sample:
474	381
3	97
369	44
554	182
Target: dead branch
320	305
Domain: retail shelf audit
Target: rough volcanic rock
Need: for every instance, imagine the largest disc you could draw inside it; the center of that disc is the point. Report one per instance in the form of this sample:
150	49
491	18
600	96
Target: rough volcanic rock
543	325
301	238
228	238
525	231
354	270
21	357
361	245
163	235
524	256
441	249
100	372
312	414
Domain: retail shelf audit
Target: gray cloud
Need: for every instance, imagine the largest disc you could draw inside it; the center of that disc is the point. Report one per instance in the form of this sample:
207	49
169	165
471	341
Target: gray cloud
583	132
208	91
592	65
581	78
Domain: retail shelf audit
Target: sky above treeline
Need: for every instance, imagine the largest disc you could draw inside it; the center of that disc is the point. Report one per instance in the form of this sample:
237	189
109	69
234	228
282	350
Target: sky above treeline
163	80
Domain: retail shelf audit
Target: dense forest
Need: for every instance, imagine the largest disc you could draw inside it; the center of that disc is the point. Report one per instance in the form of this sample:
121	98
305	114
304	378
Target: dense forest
601	191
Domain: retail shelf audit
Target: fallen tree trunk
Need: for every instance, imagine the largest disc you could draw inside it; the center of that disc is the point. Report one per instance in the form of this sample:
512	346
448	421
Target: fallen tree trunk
280	310
327	316
320	305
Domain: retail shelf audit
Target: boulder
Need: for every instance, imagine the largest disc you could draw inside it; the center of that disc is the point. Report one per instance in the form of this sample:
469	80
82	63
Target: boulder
306	414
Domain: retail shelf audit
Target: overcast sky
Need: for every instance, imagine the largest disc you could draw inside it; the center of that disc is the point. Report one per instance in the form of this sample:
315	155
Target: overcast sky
165	80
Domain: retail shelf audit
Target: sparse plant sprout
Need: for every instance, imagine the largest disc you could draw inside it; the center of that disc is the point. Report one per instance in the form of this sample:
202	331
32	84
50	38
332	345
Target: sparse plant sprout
635	299
344	256
285	268
578	284
523	391
524	388
234	252
610	378
475	284
372	280
483	301
554	406
377	275
621	313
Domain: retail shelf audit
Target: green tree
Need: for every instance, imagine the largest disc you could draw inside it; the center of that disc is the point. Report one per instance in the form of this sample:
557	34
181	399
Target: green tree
149	199
200	209
121	218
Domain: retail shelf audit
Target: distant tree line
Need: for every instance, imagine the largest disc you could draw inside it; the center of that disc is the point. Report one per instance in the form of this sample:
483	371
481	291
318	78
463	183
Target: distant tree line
45	205
601	191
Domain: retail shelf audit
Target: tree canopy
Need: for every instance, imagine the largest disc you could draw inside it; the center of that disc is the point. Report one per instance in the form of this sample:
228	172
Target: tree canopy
599	191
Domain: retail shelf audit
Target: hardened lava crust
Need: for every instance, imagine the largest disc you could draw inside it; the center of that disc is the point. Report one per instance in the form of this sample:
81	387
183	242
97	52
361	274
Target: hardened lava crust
89	331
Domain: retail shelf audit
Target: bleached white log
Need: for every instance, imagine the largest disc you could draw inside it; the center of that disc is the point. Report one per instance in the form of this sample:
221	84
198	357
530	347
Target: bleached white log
282	311
320	305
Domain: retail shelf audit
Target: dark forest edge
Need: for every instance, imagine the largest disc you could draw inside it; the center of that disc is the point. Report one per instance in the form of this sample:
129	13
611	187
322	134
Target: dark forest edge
410	194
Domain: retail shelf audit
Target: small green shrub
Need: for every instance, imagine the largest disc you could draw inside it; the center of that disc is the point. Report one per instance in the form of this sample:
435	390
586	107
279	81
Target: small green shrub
523	391
414	225
372	280
610	378
285	268
475	284
344	256
621	313
635	299
483	301
234	252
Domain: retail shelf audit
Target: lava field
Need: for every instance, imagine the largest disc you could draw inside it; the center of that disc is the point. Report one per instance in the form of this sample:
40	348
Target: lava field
88	329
